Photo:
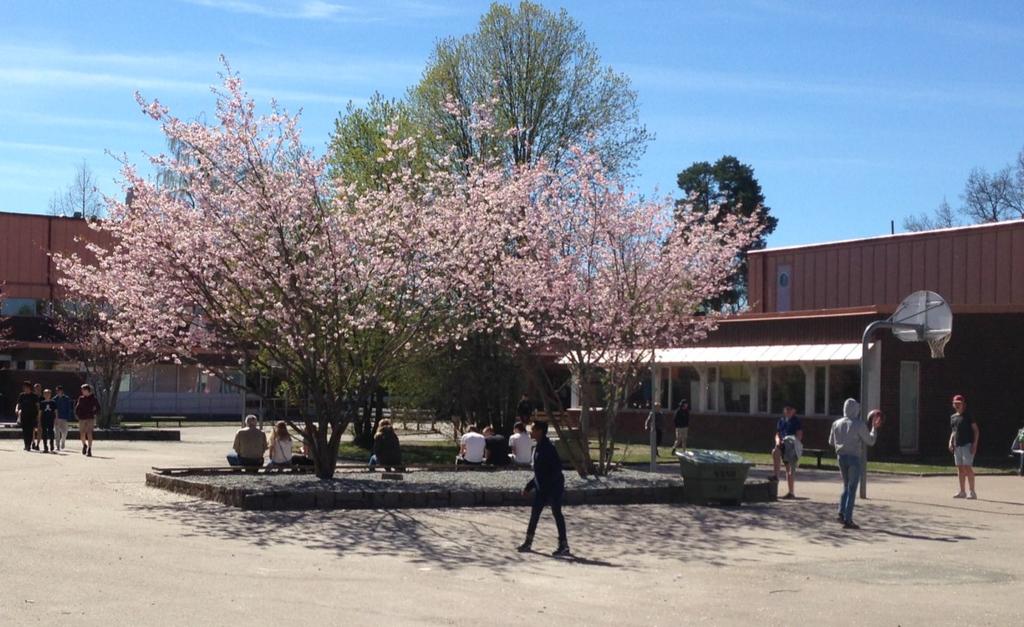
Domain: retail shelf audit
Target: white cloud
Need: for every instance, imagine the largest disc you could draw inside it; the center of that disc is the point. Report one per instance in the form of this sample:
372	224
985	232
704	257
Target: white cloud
322	10
55	148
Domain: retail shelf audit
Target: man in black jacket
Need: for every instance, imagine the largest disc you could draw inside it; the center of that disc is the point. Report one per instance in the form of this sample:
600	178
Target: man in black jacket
548	487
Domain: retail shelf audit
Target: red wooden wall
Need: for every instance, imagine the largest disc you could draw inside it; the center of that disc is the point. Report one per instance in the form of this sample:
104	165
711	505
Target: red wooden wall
977	268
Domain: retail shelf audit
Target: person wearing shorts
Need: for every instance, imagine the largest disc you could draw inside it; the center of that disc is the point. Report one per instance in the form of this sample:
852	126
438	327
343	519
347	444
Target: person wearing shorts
681	420
963	444
86	410
65	410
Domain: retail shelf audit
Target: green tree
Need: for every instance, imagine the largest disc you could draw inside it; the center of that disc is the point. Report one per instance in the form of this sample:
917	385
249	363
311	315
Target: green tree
545	82
729	185
359	151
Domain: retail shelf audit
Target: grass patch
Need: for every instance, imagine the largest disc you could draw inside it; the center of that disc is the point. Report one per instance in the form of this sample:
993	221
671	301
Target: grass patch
637	453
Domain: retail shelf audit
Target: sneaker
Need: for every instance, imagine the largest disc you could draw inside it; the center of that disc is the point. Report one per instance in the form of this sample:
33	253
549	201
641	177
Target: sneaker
525	547
841	518
789	495
850	525
85	449
972	496
89	452
959	495
562	551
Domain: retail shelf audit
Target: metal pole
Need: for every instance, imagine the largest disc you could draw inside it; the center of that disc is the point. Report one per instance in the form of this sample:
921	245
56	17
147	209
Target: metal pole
864	409
653	417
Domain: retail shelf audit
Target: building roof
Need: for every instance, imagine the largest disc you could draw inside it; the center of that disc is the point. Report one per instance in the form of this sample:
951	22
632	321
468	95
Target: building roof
956	230
788	353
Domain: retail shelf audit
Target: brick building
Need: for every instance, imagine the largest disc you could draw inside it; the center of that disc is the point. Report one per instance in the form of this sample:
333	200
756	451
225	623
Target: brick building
800	342
29	346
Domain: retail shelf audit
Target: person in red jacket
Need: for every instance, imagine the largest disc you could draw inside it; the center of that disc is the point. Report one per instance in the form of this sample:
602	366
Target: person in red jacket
86	410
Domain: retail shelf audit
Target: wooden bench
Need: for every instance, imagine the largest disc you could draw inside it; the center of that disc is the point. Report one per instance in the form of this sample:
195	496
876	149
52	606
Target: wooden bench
816	452
177	419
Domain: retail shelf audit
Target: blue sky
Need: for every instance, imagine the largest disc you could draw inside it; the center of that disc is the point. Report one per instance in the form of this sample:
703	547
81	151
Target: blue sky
851	116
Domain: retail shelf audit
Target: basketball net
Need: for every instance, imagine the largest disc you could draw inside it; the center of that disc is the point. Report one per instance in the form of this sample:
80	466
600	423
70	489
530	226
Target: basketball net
938	345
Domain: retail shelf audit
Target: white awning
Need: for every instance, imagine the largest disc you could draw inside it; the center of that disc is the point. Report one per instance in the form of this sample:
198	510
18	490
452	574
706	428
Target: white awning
785	353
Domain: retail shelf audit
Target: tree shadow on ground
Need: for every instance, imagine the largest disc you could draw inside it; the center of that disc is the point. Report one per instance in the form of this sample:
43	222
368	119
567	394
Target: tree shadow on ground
605	536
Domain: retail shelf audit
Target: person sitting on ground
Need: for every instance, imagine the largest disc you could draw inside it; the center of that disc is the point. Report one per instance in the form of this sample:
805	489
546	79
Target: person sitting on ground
495	447
249	445
471	447
387	450
522	445
280	446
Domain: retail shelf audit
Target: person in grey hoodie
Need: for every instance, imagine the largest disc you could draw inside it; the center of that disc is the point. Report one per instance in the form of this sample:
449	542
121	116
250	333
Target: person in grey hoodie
846	437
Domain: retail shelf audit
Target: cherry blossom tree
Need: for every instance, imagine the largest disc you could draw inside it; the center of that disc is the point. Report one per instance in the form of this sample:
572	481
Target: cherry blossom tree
608	278
270	262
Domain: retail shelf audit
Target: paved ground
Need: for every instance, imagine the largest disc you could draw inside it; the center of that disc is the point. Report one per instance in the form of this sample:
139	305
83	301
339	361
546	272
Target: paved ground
85	542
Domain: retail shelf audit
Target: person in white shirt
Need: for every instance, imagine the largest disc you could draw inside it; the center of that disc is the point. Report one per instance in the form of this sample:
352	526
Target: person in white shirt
280	445
847	436
472	447
522	445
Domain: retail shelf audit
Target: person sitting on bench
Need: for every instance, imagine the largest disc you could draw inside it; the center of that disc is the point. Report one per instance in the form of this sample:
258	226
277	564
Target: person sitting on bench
471	447
495	448
249	445
387	450
280	446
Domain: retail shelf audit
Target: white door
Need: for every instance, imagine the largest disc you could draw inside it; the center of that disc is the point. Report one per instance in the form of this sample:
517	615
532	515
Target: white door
909	396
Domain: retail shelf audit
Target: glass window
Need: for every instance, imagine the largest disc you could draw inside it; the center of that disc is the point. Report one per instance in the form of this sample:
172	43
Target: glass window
685	384
165	378
231	382
19	307
843	383
208	384
188	379
763	377
142	379
788	386
820	385
734	388
641	396
713	389
125	384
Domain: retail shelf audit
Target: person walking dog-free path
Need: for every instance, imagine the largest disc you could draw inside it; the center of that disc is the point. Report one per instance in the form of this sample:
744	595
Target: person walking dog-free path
86	410
848	434
548	487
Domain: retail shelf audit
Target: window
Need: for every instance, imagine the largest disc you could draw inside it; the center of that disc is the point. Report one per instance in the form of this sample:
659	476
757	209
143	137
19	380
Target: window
142	380
640	398
165	378
188	379
820	386
685	384
763	378
208	384
713	389
19	307
788	386
734	388
843	383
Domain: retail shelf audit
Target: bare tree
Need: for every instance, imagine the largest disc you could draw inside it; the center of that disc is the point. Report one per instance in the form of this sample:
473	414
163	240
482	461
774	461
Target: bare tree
81	198
944	217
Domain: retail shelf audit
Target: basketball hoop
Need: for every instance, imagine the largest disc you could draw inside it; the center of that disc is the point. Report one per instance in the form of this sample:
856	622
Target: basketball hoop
924	316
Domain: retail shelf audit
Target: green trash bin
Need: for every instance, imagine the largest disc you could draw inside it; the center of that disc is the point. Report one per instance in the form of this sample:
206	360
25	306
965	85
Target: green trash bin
712	476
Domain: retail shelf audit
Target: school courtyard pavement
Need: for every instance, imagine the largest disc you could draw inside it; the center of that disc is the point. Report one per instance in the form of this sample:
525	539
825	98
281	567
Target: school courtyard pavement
85	542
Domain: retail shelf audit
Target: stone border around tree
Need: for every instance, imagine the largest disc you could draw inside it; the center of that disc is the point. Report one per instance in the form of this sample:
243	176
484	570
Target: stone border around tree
395	497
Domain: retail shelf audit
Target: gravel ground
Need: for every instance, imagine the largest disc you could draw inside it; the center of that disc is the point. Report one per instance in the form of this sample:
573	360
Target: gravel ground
429	481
